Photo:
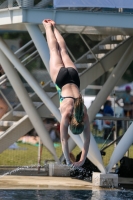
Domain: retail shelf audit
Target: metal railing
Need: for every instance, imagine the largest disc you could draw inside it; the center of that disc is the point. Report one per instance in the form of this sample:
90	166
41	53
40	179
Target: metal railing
116	137
24	3
49	3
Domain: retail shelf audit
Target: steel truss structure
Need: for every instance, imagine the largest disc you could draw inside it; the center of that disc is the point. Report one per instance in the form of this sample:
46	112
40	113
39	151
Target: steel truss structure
115	48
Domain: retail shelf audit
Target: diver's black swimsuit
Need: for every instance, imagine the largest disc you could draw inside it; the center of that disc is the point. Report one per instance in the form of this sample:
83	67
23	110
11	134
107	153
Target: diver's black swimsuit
62	98
65	76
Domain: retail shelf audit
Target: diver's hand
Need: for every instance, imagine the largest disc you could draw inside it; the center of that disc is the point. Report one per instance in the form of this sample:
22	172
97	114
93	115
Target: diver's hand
78	164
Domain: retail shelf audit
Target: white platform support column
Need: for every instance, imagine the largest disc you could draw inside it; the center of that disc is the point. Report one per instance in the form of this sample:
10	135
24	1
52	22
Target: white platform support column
121	148
27	104
105	180
117	73
30	79
39	42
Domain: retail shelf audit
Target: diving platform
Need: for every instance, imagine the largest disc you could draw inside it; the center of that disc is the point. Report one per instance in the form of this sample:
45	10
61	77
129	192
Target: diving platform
37	181
90	21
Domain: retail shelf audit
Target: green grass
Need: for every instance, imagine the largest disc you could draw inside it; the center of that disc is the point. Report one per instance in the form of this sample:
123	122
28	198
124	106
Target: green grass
28	155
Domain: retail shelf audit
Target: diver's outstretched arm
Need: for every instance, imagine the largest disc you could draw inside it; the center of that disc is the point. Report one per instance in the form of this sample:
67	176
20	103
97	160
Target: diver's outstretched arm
64	139
85	148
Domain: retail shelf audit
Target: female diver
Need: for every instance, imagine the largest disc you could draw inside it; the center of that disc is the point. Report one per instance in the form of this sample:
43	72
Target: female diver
65	77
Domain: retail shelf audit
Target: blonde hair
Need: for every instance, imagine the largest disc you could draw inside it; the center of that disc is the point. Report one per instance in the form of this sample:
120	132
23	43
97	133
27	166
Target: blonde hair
76	123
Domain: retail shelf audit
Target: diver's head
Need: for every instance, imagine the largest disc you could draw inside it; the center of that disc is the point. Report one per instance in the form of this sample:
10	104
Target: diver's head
128	89
76	122
76	127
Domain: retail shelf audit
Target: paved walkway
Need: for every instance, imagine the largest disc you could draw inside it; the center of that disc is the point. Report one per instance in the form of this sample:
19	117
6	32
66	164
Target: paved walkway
46	182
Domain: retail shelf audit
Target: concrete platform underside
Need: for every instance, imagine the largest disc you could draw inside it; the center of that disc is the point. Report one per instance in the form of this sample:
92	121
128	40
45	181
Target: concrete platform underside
52	183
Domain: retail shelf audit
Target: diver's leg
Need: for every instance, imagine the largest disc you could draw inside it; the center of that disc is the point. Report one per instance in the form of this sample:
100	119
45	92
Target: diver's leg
55	58
62	48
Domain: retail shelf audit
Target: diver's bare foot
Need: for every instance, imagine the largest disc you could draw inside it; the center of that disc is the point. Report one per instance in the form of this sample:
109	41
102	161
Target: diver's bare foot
48	22
52	22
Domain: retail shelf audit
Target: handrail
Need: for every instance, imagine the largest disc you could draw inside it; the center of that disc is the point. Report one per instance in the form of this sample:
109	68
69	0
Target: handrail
23	47
24	3
3	81
114	118
116	139
112	142
45	3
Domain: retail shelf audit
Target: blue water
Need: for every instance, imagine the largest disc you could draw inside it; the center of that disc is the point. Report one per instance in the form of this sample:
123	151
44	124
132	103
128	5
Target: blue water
66	195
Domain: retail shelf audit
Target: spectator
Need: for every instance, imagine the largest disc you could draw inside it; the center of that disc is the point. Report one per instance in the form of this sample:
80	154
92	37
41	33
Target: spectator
127	101
99	123
107	110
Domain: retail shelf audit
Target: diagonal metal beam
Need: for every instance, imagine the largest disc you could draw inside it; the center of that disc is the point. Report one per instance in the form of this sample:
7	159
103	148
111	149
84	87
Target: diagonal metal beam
114	77
27	103
108	61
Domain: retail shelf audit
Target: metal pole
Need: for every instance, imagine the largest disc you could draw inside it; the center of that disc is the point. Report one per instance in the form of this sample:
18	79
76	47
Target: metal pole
1	83
29	78
108	145
88	47
115	133
121	148
23	47
40	43
127	126
27	103
10	3
40	147
35	52
39	154
117	73
43	3
71	54
31	60
2	77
